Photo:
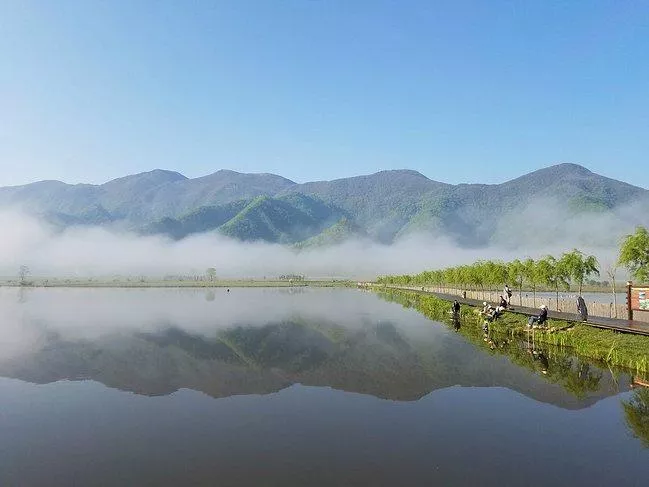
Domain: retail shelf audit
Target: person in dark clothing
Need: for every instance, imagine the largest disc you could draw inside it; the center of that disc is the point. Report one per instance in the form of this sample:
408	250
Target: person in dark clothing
503	302
541	319
455	308
582	309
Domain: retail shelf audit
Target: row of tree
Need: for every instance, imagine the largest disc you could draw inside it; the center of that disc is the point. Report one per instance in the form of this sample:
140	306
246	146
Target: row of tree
557	273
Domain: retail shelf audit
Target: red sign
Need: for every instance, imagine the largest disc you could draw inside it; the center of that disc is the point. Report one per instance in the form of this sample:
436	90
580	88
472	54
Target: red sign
640	298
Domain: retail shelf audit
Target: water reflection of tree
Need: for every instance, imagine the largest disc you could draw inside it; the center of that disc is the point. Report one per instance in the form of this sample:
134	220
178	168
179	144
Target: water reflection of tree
636	413
575	375
579	378
22	295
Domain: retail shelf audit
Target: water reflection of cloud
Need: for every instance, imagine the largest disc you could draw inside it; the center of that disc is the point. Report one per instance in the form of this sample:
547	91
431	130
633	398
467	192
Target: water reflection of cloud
87	313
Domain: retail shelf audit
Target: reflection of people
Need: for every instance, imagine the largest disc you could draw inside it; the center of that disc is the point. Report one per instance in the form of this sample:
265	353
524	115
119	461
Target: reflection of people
455	309
543	360
582	309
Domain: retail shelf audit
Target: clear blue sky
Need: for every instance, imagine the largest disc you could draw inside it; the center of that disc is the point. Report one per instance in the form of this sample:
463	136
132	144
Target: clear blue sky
462	91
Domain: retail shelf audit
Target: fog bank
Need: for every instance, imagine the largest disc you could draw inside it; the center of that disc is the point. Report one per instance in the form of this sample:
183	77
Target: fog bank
95	251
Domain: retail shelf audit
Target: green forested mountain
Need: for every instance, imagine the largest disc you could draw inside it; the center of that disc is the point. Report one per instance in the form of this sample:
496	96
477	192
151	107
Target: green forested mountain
544	205
287	219
337	233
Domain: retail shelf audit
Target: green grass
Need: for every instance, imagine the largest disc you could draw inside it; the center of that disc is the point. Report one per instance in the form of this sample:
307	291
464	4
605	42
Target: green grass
623	350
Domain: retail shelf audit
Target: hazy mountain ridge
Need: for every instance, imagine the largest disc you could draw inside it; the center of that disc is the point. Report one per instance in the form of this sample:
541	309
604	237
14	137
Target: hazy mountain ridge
377	360
384	206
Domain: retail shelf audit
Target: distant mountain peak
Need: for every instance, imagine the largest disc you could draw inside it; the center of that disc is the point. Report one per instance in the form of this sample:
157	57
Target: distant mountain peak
405	172
157	175
569	168
229	173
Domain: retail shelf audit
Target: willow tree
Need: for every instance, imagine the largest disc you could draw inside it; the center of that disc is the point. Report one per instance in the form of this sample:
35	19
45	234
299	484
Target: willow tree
554	274
501	273
477	276
531	274
634	254
579	266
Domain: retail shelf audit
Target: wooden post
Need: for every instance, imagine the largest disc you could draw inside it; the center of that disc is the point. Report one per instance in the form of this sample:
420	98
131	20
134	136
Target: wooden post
629	309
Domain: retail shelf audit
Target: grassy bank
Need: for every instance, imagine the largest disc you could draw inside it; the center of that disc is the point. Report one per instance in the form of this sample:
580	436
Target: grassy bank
630	352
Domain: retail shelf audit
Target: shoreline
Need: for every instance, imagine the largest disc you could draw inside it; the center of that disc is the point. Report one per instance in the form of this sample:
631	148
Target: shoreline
627	351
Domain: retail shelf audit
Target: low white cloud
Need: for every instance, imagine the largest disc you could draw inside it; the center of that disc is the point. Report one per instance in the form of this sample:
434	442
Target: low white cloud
93	251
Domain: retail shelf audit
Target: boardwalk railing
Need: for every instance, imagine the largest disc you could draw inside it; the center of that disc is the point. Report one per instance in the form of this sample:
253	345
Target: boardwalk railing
606	310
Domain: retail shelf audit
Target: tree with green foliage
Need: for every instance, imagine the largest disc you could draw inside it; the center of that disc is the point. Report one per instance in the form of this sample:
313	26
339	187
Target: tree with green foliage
531	274
554	274
485	275
500	274
478	276
579	266
634	254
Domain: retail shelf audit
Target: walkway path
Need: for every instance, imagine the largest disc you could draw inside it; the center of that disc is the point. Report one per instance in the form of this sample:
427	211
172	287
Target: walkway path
625	326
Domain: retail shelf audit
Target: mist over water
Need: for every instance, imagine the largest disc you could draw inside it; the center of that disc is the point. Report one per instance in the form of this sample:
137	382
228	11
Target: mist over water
96	251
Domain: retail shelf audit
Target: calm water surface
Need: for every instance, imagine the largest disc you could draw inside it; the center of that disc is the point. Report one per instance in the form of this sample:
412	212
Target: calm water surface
304	387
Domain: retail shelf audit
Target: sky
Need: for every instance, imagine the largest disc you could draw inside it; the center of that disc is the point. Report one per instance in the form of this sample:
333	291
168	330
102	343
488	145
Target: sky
462	91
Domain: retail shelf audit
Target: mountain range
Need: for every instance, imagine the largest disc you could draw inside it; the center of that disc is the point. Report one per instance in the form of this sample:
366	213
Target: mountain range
384	207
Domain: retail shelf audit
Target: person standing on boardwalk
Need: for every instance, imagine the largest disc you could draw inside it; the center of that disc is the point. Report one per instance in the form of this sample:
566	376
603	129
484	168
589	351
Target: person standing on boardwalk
582	309
507	294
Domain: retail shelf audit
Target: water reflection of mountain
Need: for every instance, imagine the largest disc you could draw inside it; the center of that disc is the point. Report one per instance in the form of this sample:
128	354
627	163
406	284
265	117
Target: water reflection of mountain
379	359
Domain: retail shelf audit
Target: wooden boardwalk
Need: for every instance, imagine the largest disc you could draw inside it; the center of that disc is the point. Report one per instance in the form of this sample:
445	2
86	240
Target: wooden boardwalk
624	326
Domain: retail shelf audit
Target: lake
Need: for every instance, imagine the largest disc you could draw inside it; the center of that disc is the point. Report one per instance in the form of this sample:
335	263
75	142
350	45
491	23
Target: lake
296	387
